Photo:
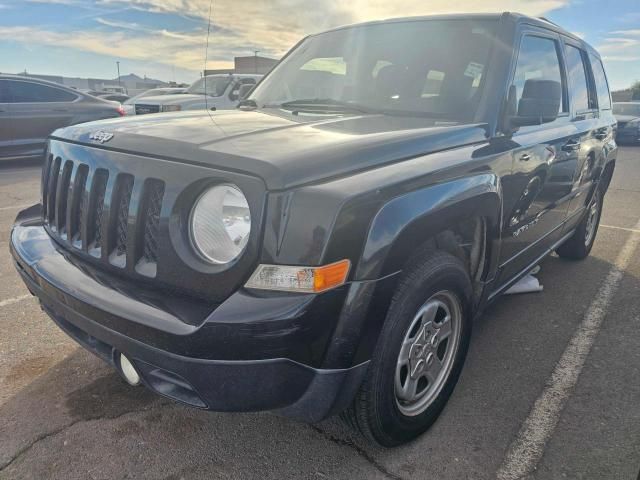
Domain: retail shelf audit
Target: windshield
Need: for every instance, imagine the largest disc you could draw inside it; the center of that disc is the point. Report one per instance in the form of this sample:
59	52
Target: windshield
429	68
627	109
215	86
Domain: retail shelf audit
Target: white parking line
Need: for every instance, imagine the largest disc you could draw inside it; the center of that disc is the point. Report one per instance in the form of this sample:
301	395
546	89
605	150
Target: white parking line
626	229
527	448
10	301
14	207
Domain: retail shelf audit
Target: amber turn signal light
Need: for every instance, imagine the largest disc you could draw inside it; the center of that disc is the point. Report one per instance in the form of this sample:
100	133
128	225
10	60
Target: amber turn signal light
300	279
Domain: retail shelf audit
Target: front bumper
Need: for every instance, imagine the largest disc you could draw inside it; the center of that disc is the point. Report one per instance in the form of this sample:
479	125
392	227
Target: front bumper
102	320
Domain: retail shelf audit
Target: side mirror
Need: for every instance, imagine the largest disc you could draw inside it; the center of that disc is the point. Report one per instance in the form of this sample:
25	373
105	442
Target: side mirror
540	103
245	90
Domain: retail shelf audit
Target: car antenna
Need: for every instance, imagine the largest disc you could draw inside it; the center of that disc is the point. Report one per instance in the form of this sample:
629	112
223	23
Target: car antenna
206	57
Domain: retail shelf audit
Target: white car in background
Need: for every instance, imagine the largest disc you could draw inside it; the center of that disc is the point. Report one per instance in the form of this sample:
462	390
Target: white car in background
216	92
129	107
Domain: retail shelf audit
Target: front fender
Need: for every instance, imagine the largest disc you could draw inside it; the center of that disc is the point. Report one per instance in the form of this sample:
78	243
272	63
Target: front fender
398	228
407	221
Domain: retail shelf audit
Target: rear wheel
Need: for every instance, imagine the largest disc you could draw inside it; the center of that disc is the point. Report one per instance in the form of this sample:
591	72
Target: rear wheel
579	245
420	352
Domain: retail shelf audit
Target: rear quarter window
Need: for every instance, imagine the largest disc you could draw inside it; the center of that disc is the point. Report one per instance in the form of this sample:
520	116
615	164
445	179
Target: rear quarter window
602	87
580	94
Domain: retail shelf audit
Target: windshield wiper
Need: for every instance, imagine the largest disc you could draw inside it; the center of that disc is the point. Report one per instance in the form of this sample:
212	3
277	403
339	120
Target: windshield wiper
322	105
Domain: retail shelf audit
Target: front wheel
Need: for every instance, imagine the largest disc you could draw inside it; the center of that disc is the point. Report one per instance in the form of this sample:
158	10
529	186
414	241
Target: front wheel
579	245
420	352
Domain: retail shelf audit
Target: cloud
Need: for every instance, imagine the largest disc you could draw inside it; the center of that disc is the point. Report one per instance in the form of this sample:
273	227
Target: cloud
631	32
121	25
621	58
621	46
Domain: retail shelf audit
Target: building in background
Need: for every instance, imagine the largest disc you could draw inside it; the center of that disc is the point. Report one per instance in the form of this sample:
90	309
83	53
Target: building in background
131	83
250	64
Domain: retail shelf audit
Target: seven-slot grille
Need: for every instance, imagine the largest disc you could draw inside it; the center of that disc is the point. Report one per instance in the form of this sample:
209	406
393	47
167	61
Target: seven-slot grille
95	212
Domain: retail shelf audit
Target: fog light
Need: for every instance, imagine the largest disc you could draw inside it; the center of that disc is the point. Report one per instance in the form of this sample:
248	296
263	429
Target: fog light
128	371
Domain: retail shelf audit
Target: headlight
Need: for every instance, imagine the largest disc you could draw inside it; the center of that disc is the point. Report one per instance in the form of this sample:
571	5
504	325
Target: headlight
171	108
220	224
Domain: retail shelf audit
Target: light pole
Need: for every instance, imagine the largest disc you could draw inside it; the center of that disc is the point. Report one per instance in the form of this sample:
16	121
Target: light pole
118	66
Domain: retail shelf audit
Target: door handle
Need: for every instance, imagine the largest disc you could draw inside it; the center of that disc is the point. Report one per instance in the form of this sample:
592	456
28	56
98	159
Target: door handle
59	110
525	157
571	146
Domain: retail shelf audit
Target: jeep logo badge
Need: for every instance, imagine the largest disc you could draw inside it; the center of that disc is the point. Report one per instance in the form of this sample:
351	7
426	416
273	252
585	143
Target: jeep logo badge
101	136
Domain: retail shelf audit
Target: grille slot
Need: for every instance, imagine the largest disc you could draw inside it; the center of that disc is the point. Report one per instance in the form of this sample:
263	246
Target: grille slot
150	218
96	215
78	206
46	170
62	196
52	187
124	189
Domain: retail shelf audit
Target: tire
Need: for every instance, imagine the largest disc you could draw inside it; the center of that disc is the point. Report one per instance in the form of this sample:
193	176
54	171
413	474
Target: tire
579	245
384	410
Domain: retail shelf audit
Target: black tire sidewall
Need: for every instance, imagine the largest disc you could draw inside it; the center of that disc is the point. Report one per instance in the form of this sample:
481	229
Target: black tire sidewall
600	199
575	248
390	426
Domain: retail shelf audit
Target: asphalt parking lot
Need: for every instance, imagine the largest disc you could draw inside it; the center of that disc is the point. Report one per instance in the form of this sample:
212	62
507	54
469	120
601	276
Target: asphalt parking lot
552	379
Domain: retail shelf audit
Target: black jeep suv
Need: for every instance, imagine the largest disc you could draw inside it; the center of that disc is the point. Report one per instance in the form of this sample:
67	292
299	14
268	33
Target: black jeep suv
326	247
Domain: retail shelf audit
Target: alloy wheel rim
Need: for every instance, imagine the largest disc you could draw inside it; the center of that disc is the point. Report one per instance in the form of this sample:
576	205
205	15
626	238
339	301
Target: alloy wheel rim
427	353
592	219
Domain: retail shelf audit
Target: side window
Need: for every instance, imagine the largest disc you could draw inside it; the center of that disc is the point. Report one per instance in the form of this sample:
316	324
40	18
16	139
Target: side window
581	98
538	58
602	87
28	92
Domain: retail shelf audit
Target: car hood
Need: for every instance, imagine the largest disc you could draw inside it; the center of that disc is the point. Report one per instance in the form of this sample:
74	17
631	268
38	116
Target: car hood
283	149
172	99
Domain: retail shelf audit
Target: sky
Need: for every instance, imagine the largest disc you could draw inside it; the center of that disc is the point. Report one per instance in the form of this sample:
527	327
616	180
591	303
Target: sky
166	39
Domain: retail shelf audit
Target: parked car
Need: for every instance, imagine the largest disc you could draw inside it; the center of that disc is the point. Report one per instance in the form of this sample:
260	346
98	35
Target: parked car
95	93
114	97
114	89
216	92
129	105
326	247
628	116
30	109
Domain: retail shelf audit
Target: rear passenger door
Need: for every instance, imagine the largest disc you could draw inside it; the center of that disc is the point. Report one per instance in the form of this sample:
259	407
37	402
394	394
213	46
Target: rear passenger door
590	133
537	193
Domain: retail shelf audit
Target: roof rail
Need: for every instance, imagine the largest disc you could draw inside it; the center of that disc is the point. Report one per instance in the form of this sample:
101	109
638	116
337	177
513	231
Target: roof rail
549	21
